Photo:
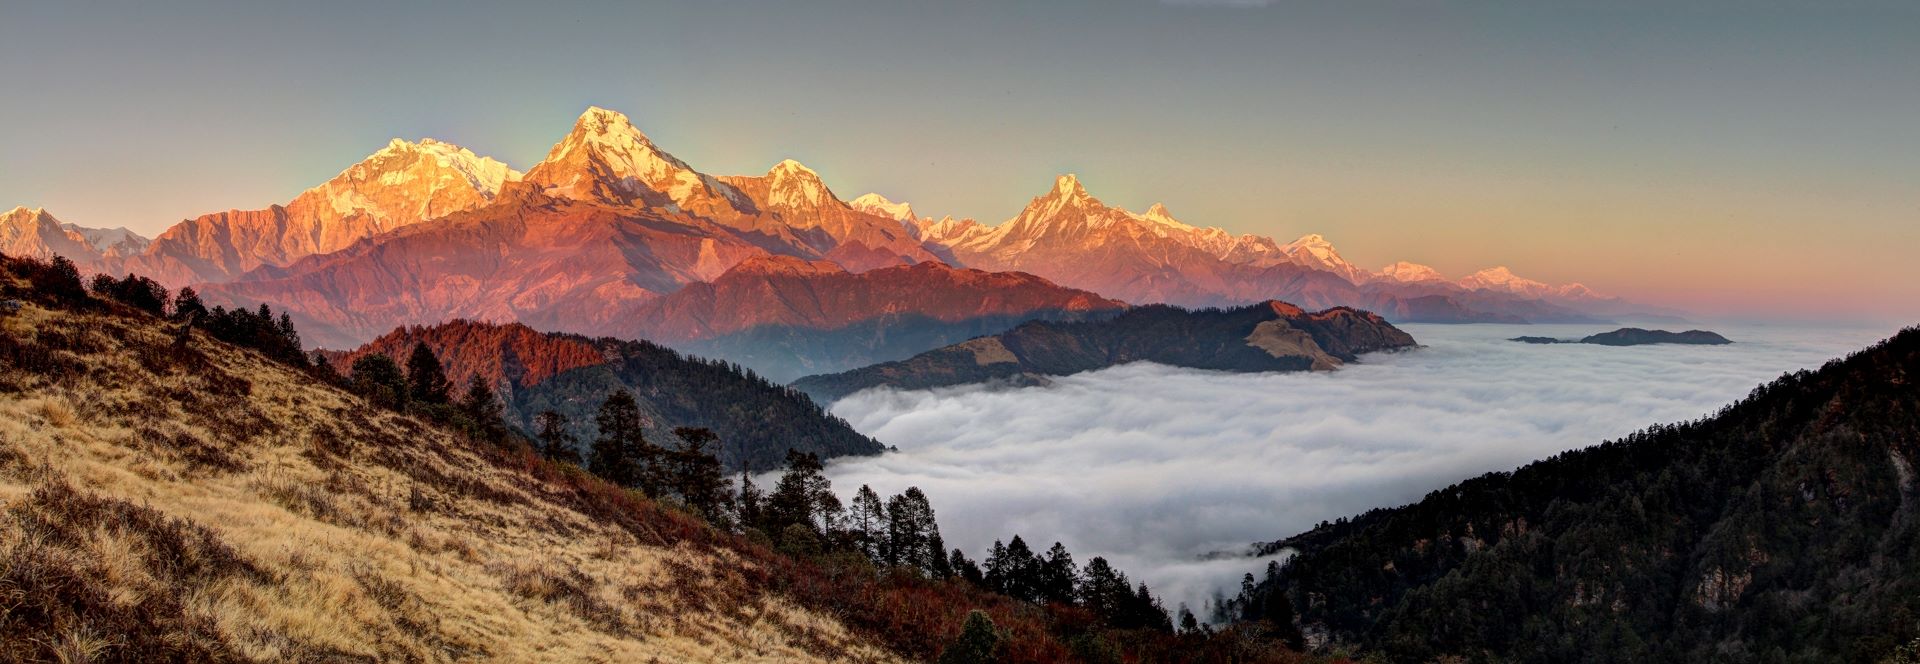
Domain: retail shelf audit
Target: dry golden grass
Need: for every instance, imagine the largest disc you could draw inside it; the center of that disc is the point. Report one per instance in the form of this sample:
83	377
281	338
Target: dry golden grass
261	516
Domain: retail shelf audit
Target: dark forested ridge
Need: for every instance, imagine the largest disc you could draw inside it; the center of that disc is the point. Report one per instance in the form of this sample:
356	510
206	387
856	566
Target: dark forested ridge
1633	336
1782	528
1270	336
571	375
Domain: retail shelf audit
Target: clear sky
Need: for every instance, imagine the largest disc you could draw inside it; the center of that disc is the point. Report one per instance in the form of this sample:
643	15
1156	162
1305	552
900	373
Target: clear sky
1722	156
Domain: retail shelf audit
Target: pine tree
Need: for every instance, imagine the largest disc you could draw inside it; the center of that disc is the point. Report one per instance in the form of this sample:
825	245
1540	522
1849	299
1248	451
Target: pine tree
977	643
939	566
187	304
375	376
801	495
322	368
1188	623
1057	575
484	410
426	378
751	503
966	569
556	442
867	518
695	472
612	456
1023	571
1104	590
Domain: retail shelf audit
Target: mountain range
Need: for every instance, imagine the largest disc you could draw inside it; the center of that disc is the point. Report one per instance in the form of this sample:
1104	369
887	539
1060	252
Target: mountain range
612	235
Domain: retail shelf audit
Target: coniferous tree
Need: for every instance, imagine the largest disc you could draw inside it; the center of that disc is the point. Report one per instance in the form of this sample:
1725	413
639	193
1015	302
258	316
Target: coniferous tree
427	380
556	442
966	569
1058	575
695	472
484	409
996	568
911	527
613	456
977	643
324	370
1104	590
1023	571
800	495
187	304
375	376
940	566
751	504
867	519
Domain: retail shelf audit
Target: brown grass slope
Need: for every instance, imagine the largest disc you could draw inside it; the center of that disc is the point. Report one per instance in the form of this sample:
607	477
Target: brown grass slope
207	504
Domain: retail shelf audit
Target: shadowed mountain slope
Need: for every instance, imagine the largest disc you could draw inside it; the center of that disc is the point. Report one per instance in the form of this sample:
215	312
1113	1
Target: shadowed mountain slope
1781	528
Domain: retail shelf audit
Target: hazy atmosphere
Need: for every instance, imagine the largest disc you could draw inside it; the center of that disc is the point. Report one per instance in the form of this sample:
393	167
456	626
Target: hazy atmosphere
1668	153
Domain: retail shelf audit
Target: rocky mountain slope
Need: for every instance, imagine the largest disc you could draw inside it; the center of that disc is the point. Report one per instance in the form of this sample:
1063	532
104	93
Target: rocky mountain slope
1072	238
37	234
400	185
1271	336
1780	528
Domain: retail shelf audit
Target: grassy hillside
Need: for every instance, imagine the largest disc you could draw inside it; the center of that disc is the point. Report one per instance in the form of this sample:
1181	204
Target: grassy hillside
1781	529
205	503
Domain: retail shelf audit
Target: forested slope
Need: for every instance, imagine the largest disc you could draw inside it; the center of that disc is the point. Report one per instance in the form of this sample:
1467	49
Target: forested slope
1782	528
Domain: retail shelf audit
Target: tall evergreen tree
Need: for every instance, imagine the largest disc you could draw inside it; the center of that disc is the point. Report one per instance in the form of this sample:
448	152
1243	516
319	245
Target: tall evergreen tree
187	304
484	409
695	472
977	643
801	495
867	519
966	568
911	526
427	380
751	505
556	442
374	376
613	455
1057	575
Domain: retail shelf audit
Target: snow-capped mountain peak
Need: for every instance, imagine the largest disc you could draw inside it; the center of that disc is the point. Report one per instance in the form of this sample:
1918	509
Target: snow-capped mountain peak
484	174
793	186
1405	272
1499	278
1068	186
32	232
875	204
606	159
1314	251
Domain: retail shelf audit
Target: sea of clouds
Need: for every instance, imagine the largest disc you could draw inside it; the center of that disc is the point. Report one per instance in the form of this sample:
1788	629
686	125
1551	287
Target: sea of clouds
1161	469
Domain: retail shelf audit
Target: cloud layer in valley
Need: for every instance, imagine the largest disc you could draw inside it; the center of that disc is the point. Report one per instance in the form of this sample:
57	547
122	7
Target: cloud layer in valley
1154	467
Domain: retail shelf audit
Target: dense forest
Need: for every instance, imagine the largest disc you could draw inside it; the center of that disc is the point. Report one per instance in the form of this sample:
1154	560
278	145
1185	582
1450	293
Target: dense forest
1271	336
1781	528
568	376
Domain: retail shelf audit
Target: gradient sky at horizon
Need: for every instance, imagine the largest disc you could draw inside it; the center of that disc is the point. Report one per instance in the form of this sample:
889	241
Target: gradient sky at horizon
1730	158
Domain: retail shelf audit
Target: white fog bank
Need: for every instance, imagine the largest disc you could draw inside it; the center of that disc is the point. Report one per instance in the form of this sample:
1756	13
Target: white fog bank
1154	466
